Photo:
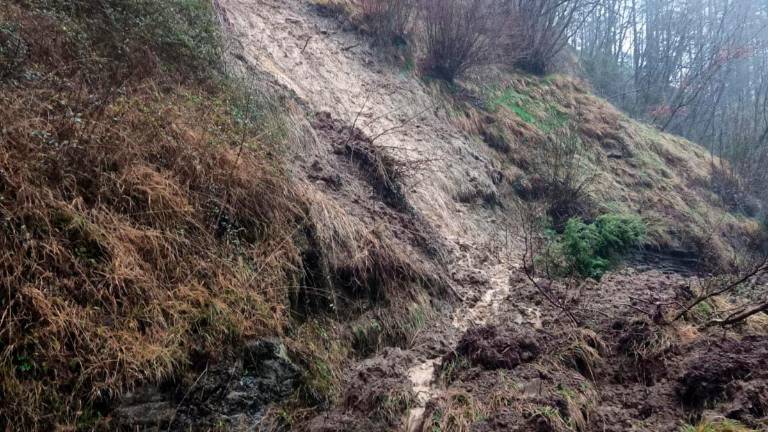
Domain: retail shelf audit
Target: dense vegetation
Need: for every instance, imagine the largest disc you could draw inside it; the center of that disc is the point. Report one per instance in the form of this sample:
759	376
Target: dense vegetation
150	226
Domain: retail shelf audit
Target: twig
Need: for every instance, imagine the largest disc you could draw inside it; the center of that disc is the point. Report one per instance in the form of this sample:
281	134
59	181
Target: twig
737	317
305	45
760	268
347	48
400	126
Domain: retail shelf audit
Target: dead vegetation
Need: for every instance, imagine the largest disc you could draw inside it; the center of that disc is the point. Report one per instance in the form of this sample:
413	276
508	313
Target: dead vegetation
559	179
143	223
388	21
457	36
126	250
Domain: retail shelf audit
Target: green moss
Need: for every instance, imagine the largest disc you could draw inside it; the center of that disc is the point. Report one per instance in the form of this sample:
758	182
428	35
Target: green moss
703	311
513	101
545	116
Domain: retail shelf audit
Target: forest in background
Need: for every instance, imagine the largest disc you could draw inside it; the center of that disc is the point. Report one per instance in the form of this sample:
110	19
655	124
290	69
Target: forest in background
696	68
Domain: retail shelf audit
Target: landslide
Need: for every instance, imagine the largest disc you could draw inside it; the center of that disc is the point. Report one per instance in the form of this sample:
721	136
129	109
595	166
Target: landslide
251	193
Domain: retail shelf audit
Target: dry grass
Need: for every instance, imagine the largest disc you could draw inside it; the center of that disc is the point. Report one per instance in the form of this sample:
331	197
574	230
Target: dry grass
716	425
585	352
364	261
149	226
455	411
131	237
144	223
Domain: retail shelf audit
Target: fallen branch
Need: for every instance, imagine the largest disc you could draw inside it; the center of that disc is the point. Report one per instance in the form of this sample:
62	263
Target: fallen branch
760	268
738	317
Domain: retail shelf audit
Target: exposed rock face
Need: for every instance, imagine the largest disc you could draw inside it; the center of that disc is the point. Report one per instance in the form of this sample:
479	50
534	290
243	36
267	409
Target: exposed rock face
144	409
231	395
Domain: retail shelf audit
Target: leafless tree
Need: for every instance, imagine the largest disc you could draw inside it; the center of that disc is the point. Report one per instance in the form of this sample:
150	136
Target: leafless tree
698	68
541	29
562	293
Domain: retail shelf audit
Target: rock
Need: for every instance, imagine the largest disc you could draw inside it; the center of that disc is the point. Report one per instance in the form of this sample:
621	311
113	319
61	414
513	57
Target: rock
147	414
268	362
233	394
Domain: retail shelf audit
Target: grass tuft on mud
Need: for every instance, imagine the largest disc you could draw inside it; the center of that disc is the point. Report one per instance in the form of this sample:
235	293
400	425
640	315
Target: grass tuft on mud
723	425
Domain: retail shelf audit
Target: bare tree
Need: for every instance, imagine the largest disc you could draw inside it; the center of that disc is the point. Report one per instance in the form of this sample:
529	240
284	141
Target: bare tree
559	294
541	29
388	20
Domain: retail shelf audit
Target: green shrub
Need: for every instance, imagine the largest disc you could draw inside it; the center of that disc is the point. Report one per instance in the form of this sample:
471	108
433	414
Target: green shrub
592	249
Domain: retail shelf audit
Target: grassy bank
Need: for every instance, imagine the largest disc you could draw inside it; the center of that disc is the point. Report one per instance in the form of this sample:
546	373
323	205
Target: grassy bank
147	223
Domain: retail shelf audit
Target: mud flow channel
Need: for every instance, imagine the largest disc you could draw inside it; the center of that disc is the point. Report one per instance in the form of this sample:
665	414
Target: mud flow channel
423	376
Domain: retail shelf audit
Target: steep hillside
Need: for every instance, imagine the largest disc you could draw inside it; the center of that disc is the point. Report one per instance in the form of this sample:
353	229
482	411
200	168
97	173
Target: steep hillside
437	133
249	217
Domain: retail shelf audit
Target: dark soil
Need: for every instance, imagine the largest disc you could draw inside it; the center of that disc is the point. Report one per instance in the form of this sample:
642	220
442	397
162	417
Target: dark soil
493	348
380	170
718	371
376	397
632	373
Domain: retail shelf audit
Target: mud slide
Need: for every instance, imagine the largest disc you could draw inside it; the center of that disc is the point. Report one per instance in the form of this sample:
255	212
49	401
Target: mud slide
335	72
487	310
620	373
